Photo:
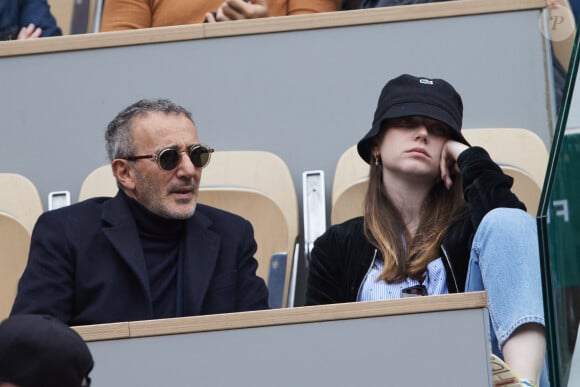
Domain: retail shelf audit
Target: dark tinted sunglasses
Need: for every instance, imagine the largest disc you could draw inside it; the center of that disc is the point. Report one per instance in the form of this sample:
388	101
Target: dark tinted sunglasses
413	291
168	158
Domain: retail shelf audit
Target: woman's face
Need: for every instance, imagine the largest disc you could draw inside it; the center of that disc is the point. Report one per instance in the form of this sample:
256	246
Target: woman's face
410	148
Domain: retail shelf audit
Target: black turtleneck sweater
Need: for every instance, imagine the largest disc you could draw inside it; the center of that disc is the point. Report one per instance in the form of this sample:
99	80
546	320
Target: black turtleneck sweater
161	240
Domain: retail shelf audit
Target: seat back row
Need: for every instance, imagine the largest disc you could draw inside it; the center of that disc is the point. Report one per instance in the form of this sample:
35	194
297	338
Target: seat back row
519	152
258	186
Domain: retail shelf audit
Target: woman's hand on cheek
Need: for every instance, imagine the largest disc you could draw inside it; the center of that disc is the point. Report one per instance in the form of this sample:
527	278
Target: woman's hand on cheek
449	154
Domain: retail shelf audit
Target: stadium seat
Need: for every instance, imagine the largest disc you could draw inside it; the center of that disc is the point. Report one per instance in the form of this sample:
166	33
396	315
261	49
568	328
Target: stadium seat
513	147
270	228
267	173
75	16
349	186
525	187
14	245
100	182
20	199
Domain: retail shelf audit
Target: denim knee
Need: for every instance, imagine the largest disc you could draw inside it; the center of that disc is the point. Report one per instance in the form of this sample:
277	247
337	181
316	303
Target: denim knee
508	220
506	261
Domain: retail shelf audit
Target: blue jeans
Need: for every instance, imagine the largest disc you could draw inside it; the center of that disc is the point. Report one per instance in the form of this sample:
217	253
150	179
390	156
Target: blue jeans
505	262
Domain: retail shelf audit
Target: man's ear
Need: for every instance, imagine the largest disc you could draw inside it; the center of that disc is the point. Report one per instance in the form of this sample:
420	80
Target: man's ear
124	174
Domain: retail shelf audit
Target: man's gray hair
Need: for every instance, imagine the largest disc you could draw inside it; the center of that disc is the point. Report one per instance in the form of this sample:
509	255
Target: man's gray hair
118	138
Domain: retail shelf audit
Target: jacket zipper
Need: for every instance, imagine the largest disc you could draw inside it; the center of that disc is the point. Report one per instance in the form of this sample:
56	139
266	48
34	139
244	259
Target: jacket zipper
450	267
366	275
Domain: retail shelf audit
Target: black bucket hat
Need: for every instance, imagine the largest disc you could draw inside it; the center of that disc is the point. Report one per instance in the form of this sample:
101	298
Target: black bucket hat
41	351
408	95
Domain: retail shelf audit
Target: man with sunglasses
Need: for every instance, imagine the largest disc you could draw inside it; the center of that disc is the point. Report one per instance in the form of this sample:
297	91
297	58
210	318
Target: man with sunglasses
151	251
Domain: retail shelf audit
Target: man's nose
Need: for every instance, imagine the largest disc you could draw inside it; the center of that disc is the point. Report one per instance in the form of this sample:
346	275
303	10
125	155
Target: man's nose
185	166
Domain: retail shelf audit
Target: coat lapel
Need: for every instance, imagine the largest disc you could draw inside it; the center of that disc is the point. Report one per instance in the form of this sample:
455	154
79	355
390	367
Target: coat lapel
202	246
121	230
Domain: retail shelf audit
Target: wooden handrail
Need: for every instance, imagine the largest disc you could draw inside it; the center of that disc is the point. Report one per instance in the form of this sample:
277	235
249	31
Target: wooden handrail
300	315
266	25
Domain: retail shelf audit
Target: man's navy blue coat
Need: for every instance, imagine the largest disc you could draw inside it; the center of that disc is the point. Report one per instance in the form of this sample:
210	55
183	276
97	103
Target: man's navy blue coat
86	265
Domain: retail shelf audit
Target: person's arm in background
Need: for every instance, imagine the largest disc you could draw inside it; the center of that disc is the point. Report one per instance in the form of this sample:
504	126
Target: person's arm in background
300	7
126	15
36	20
239	10
252	9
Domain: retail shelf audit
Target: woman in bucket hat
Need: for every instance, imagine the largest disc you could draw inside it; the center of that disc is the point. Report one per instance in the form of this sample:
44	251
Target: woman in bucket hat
439	217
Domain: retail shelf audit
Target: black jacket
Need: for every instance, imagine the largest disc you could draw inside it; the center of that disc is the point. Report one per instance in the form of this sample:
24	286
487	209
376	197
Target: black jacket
342	256
86	265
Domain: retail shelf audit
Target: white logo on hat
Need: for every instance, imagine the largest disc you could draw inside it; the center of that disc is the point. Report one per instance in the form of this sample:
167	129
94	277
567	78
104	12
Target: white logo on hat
425	81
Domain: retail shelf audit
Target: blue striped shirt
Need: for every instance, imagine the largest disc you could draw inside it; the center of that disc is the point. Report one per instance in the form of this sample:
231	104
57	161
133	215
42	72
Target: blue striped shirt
371	290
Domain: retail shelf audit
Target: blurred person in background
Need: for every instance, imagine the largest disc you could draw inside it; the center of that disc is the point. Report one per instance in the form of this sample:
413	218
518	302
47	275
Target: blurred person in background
132	14
26	19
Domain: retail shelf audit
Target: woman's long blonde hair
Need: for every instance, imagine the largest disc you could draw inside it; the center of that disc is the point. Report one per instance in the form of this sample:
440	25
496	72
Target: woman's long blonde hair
406	256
